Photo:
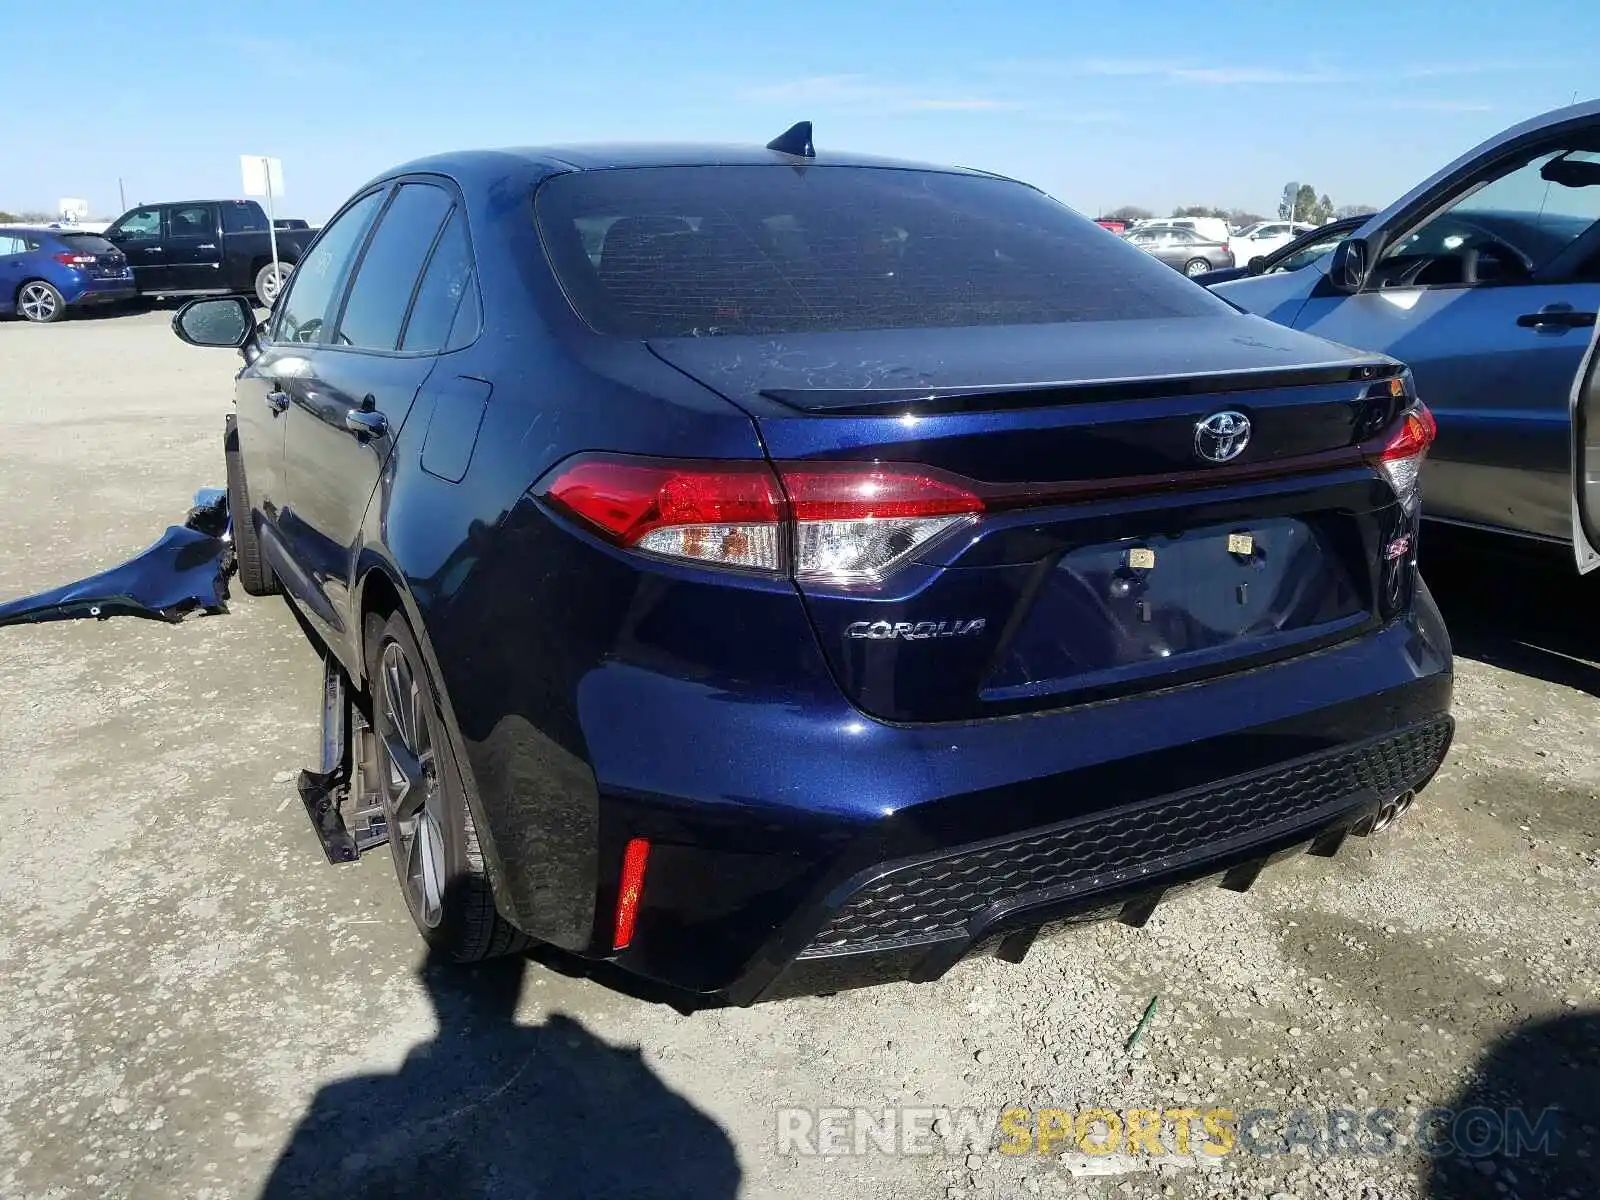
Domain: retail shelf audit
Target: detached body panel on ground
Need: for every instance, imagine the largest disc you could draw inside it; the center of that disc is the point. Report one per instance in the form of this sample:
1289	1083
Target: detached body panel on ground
795	618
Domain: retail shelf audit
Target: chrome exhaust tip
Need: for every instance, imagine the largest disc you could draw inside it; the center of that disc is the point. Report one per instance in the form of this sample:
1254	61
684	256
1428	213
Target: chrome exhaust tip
1388	813
1385	817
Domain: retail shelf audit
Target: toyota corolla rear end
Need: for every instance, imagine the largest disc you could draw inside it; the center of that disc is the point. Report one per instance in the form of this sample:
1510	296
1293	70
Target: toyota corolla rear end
1051	585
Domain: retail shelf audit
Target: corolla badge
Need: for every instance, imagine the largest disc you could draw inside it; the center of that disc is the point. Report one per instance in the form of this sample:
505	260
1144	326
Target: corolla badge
1222	436
914	631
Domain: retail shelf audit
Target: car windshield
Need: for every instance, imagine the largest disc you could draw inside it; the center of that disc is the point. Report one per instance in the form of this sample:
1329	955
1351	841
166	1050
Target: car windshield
671	251
87	243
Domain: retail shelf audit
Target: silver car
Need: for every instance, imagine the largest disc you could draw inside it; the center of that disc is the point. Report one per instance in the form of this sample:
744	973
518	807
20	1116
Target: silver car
1485	280
1182	249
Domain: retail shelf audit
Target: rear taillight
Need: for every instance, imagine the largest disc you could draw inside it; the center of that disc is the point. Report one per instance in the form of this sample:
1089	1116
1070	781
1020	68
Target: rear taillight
854	523
75	260
842	523
1400	460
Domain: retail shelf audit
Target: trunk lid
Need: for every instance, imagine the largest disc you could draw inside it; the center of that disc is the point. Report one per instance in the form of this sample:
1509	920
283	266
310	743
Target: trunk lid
1110	557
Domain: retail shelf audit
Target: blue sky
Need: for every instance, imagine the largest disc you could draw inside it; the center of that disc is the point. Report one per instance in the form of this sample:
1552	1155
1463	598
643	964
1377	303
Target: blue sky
1155	103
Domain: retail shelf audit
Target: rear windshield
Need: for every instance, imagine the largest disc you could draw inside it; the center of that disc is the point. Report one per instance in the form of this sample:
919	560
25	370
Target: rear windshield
87	243
677	251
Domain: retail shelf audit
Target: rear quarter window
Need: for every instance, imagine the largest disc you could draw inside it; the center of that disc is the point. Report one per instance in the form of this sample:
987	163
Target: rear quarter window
676	251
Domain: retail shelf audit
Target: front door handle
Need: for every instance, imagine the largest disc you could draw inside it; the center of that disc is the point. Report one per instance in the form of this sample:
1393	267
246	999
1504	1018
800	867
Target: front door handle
278	401
1556	316
364	422
207	246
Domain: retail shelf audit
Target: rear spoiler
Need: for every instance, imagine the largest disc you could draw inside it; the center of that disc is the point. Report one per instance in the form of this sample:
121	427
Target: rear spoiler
896	402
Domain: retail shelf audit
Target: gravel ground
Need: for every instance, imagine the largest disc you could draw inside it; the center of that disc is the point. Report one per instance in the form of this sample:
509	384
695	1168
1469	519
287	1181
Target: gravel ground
195	1005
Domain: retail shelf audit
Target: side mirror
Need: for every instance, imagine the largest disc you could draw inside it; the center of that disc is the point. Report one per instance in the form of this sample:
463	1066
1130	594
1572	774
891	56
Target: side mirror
215	321
1257	264
1351	261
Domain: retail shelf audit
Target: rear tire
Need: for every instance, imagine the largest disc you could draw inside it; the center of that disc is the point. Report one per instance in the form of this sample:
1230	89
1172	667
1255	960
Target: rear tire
267	287
255	573
1196	266
40	303
434	839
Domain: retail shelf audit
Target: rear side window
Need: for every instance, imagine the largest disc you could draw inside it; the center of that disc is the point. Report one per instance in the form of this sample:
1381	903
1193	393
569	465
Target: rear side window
389	270
448	277
672	251
11	244
243	218
192	220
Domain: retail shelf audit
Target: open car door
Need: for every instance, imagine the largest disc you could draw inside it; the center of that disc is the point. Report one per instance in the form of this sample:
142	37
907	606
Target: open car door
1585	407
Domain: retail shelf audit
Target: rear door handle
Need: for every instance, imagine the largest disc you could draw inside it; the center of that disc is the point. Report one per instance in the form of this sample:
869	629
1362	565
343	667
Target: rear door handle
207	246
366	423
278	401
1556	316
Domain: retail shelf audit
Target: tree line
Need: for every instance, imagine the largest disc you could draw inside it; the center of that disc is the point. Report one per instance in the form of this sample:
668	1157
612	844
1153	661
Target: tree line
1300	202
10	218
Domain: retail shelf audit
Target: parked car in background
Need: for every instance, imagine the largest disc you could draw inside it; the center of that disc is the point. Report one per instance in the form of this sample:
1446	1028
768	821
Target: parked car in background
198	246
291	223
1181	248
1301	252
1264	238
1212	228
44	272
579	464
1485	280
1113	225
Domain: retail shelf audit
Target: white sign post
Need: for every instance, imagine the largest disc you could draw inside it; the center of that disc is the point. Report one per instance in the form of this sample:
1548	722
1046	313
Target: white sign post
264	177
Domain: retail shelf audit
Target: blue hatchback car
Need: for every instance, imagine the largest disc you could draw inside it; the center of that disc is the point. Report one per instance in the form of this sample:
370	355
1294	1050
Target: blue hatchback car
767	572
46	272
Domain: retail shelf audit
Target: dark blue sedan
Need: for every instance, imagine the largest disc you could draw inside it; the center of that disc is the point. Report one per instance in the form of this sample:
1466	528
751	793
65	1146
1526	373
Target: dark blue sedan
768	572
46	272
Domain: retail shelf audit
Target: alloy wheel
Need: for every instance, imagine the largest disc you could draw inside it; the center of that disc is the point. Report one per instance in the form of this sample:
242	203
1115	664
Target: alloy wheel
411	792
38	302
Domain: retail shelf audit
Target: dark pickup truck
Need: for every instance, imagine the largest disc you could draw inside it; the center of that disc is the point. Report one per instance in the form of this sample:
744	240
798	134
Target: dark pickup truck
194	247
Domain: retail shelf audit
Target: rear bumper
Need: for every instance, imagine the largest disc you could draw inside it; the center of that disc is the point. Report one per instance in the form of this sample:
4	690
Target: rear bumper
916	918
99	291
796	851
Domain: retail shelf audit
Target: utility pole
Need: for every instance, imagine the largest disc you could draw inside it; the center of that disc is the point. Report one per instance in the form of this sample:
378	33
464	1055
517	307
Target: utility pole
121	195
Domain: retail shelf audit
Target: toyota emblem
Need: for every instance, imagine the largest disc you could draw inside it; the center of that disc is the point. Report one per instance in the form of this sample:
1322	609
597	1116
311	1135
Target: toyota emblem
1222	436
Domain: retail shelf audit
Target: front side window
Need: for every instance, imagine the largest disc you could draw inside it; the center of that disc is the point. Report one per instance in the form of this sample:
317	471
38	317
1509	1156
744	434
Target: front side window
320	275
144	223
1506	228
756	249
12	245
389	270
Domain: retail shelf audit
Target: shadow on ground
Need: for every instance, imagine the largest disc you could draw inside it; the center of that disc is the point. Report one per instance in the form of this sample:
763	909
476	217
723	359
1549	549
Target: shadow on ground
490	1108
1526	611
1542	1078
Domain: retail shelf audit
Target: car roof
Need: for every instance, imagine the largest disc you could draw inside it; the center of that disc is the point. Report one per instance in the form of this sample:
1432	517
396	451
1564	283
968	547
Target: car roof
40	230
616	156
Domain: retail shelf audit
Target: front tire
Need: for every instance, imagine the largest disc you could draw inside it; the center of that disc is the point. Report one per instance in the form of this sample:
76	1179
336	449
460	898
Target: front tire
1196	266
269	283
431	831
40	303
255	573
